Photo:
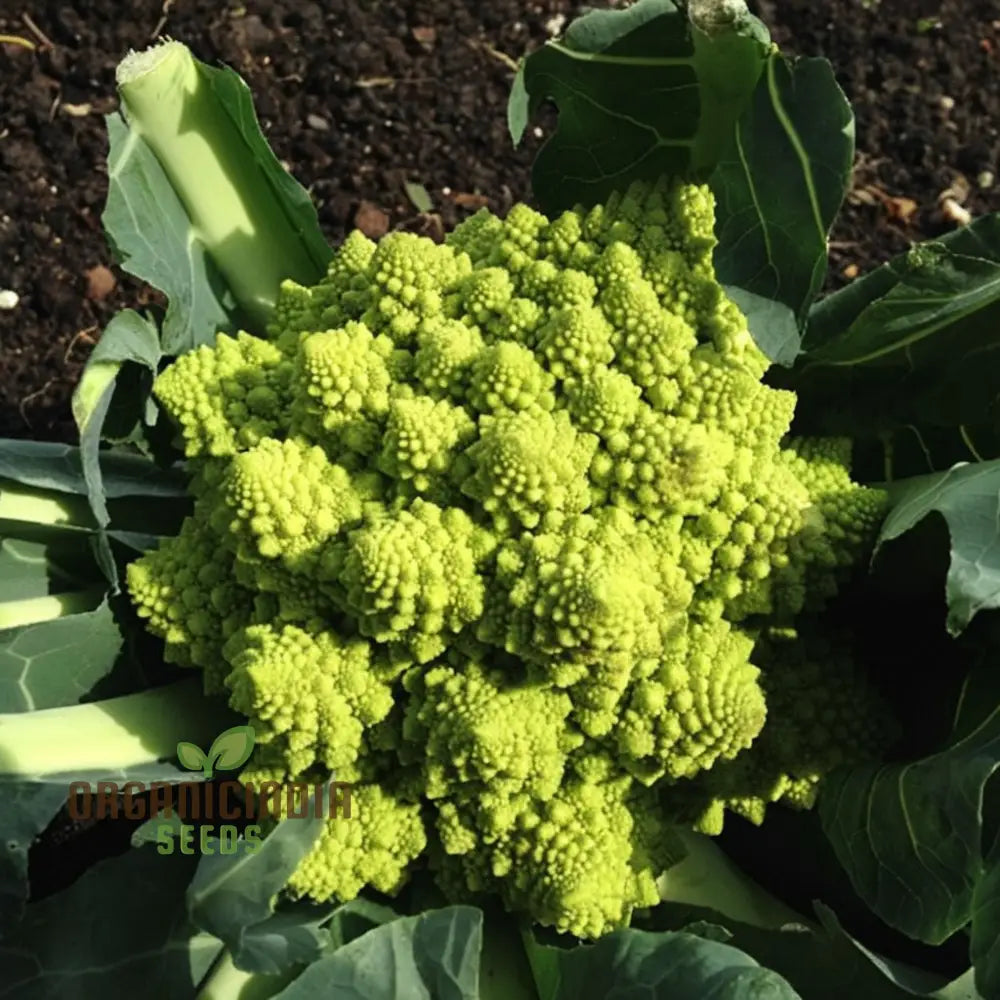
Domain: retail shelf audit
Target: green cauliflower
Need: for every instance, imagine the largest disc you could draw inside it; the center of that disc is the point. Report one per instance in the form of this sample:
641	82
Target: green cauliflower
494	528
823	713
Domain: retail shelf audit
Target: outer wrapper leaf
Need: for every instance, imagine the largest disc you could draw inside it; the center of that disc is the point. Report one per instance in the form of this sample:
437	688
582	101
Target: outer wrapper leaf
665	966
69	472
433	956
822	962
129	339
907	357
150	224
772	324
910	836
38	568
56	662
48	465
780	183
984	944
233	895
141	937
968	497
640	94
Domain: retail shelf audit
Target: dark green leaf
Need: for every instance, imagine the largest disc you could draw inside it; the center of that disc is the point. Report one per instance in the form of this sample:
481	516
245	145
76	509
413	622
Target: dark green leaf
640	94
138	942
28	805
357	917
518	106
42	485
704	875
231	893
910	834
822	962
138	541
52	664
903	979
126	475
709	894
44	466
781	182
968	497
153	236
49	465
833	318
984	946
657	966
57	662
910	350
504	970
26	808
294	936
433	956
290	197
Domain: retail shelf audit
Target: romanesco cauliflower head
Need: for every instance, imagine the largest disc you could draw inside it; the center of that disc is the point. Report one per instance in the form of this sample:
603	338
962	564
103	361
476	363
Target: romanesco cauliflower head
373	846
312	693
491	527
823	712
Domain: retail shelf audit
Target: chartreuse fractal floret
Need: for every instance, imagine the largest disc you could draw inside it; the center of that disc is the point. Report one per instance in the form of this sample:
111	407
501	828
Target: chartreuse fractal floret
510	532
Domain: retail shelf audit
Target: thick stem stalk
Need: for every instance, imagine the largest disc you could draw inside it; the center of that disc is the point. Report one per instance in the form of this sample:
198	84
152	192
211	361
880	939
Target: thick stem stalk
31	610
109	735
707	877
43	507
170	104
226	982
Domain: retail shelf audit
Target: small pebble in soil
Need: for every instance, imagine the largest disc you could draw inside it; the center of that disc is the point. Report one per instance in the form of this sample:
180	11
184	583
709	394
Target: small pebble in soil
954	212
8	298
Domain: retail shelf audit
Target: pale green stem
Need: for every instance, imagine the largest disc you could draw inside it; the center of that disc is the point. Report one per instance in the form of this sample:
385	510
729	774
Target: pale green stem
31	610
226	982
109	735
41	507
169	103
707	877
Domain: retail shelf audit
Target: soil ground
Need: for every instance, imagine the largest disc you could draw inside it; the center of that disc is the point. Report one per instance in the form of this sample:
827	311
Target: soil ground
360	97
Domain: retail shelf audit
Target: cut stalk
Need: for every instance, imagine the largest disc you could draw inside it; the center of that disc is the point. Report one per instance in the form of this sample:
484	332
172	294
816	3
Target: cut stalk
717	16
170	104
107	736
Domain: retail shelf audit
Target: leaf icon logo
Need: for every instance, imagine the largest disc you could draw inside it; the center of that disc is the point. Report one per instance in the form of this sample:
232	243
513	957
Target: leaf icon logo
230	749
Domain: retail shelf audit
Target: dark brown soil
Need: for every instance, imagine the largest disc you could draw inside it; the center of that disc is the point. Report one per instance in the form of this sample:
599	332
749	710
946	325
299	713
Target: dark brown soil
361	96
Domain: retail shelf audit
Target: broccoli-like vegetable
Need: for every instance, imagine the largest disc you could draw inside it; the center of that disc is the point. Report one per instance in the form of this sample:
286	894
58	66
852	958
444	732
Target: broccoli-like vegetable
492	527
823	712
